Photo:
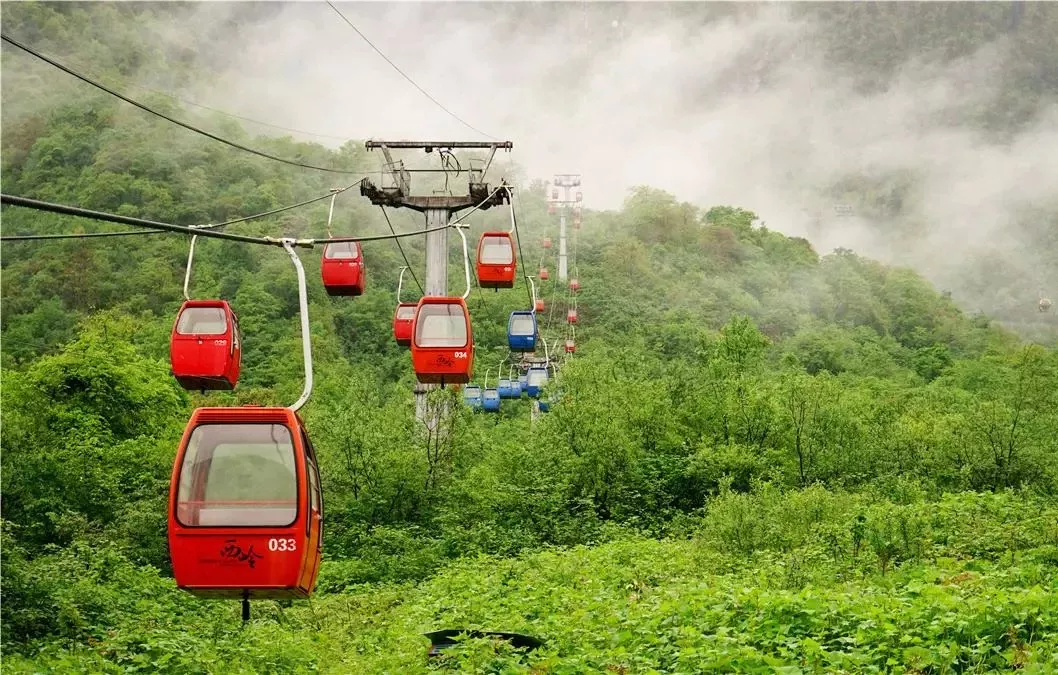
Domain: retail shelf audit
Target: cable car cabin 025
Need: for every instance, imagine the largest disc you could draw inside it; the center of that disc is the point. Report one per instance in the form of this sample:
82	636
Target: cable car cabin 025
204	349
403	323
245	507
342	268
496	264
442	346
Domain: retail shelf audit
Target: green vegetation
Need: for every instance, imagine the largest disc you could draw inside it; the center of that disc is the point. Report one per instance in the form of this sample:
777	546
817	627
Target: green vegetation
763	459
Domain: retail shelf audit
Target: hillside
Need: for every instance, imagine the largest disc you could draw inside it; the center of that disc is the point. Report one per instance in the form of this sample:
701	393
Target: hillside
762	456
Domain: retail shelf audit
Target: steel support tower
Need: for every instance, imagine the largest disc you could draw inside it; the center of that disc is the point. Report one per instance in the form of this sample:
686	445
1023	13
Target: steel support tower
438	210
566	181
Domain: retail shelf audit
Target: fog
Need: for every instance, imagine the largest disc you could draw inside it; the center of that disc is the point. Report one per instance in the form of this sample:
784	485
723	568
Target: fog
741	109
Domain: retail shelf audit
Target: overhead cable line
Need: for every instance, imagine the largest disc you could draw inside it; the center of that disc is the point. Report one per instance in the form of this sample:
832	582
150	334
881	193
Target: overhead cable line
185	125
15	200
406	77
241	117
211	226
401	249
518	238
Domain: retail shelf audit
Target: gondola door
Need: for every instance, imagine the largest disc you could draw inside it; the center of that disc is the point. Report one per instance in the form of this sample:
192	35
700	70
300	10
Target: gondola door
314	521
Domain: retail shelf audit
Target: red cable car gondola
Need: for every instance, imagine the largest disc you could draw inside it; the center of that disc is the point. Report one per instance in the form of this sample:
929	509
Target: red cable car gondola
539	305
245	508
442	346
544	274
496	263
550	208
342	268
547	242
204	349
574	285
571	316
570	347
403	322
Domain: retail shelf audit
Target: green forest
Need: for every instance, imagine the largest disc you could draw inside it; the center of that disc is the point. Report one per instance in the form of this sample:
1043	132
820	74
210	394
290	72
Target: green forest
762	457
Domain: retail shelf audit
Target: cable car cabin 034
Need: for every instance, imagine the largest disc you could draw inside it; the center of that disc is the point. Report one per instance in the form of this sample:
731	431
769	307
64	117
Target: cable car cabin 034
403	323
442	346
204	349
342	268
245	508
496	264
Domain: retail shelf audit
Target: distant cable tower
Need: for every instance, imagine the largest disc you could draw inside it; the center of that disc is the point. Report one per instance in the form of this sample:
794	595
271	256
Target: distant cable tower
564	181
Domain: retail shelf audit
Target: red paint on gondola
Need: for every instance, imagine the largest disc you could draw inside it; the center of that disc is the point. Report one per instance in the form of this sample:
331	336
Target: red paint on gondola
442	346
204	348
342	268
245	507
404	322
496	264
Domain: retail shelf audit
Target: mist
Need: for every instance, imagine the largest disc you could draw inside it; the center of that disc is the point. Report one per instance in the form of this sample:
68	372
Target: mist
723	103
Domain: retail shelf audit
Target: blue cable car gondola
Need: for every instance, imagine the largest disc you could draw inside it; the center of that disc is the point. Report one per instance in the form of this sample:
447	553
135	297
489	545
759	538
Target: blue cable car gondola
504	389
472	396
536	380
545	405
521	331
490	401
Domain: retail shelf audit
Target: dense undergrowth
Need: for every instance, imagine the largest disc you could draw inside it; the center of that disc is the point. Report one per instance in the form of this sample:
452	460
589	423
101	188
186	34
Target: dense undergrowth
769	581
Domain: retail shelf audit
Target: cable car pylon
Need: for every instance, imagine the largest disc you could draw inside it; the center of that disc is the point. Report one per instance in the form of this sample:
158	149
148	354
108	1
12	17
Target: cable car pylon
564	181
438	210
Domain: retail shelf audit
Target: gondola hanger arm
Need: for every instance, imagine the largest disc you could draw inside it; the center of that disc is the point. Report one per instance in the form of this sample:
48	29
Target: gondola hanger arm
306	338
466	256
400	282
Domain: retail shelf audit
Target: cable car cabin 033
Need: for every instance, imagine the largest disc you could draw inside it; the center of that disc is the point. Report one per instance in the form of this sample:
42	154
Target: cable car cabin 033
245	508
342	268
204	349
496	264
403	323
442	346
